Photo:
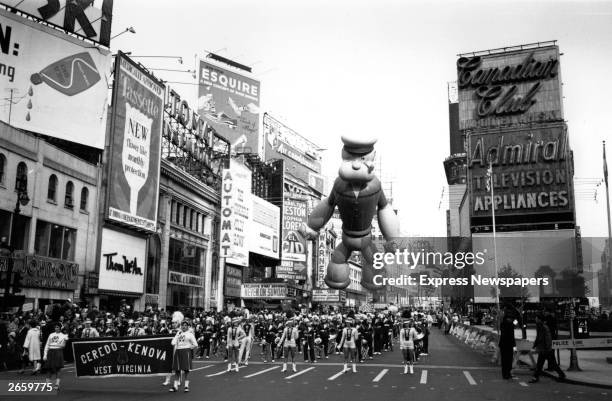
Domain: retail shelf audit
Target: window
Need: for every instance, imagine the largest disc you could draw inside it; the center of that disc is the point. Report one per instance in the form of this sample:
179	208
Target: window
52	189
2	167
21	177
68	200
84	196
54	241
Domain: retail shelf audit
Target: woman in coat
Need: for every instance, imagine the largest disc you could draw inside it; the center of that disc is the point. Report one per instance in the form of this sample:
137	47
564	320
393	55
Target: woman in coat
31	345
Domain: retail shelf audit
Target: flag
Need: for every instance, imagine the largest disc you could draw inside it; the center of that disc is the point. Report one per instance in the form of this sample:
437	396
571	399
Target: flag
605	164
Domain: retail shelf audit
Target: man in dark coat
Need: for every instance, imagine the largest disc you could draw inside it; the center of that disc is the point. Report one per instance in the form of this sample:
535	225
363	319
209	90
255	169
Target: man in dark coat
543	346
507	345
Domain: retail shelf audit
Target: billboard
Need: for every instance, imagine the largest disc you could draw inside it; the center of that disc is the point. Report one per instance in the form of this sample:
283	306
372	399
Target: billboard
235	212
229	102
531	175
294	215
267	291
302	157
509	88
122	262
56	85
264	227
88	19
136	130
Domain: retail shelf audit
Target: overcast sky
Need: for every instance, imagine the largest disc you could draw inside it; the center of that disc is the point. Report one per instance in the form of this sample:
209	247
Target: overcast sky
333	67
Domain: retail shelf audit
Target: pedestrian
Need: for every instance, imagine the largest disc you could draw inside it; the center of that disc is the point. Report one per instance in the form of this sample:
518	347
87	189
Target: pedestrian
288	341
348	343
407	336
88	331
184	342
308	339
234	336
507	345
31	345
54	354
543	346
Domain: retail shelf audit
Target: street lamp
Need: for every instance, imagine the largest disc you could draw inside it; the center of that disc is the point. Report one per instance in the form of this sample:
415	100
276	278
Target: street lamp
129	29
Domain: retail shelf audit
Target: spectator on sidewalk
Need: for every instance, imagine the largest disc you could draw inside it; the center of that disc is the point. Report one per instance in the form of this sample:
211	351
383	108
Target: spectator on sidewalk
507	345
543	346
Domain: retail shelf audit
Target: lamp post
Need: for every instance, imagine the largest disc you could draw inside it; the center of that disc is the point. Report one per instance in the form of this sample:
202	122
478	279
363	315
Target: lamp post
128	29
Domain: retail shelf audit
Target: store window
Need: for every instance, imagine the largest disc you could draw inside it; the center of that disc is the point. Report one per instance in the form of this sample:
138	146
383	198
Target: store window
22	176
84	199
2	167
68	199
52	188
54	241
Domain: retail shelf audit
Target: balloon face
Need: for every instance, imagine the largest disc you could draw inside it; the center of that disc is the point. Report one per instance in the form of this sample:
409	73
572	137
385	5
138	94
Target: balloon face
357	168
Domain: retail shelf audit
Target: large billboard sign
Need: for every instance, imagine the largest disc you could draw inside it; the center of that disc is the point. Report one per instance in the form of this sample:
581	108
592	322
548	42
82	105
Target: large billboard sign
122	262
88	19
302	157
235	211
55	85
264	227
294	215
531	173
135	146
509	88
229	102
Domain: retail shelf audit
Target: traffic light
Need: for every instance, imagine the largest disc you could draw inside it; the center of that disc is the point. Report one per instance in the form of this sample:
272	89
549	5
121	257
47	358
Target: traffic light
16	283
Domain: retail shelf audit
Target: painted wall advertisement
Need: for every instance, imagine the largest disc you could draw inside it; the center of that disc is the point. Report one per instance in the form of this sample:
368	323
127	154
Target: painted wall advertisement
47	75
122	262
88	19
235	212
264	227
531	172
135	146
302	157
507	89
230	103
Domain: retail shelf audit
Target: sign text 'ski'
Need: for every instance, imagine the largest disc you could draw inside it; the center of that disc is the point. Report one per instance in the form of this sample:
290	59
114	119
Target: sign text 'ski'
495	97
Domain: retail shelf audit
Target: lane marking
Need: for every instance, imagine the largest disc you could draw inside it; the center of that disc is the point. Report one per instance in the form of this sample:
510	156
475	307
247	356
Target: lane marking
469	378
261	372
301	372
203	367
380	375
334	377
220	373
424	377
523	384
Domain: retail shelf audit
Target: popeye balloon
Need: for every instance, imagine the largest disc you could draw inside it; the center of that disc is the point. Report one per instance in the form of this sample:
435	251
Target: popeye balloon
358	194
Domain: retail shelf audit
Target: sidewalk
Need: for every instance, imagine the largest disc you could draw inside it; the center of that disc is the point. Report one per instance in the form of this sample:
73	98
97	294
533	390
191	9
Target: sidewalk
595	370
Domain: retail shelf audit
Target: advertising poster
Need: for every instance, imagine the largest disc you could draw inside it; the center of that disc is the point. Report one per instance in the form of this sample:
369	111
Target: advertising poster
268	291
294	215
48	76
122	262
135	146
302	157
264	227
235	213
229	102
123	356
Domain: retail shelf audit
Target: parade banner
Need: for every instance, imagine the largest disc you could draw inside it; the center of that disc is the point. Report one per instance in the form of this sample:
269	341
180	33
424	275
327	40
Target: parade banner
87	19
54	84
229	102
123	356
136	132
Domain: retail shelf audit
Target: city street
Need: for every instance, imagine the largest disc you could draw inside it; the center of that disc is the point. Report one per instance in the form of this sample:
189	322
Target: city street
451	371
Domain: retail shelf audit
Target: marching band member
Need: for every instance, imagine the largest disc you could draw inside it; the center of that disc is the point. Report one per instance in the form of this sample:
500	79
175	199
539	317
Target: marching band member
54	354
288	341
184	342
407	337
349	343
234	336
247	342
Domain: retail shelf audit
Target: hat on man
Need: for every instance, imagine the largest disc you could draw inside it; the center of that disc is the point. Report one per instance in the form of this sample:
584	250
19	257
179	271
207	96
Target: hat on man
358	146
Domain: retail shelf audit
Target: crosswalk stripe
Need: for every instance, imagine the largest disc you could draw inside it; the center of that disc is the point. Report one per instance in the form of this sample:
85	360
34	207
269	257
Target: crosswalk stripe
424	377
218	373
203	367
261	372
380	375
469	378
523	384
334	377
301	372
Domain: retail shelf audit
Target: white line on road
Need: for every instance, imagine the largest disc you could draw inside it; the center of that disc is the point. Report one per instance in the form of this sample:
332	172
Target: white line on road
219	373
424	377
523	384
301	372
203	367
334	377
380	375
261	371
469	378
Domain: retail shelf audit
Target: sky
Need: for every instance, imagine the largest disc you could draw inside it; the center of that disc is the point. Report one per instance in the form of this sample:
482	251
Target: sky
381	68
